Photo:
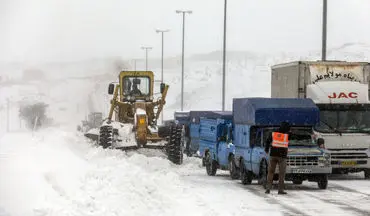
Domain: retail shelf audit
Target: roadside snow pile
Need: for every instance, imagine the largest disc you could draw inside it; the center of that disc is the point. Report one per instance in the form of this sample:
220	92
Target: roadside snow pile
31	165
58	173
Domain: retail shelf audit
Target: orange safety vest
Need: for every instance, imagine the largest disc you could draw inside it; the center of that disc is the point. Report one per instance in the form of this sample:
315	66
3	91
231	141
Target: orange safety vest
280	140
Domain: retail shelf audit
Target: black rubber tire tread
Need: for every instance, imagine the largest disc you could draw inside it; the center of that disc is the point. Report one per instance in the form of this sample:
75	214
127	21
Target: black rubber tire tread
367	174
211	165
246	176
323	182
174	146
106	136
234	170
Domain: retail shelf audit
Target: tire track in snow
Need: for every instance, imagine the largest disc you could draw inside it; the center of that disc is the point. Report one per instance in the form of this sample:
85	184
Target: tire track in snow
287	209
340	204
346	189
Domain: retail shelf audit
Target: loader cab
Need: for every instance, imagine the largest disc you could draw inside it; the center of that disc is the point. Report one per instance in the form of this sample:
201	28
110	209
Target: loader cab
136	86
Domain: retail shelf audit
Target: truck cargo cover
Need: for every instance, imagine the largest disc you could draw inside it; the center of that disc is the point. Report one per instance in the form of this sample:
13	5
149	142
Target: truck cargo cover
272	111
182	117
196	115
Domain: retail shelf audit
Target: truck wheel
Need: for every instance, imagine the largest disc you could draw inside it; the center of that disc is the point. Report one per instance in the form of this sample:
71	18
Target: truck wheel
106	136
234	170
246	176
174	146
323	182
367	173
187	147
262	178
211	165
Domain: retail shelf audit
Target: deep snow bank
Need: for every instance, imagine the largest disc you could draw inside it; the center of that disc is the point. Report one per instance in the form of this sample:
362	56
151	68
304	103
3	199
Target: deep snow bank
56	172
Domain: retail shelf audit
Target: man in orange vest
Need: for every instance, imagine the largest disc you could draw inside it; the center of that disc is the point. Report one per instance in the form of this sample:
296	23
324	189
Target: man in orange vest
277	143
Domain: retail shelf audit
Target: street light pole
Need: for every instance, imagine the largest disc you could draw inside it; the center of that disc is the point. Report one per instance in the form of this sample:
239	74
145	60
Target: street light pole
162	32
146	56
183	47
324	23
224	59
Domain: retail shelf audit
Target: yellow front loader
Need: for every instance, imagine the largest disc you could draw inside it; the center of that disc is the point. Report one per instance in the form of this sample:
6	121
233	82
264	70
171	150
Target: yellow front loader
133	104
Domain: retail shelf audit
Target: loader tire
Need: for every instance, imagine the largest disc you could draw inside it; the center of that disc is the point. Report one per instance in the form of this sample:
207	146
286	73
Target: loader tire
106	136
175	144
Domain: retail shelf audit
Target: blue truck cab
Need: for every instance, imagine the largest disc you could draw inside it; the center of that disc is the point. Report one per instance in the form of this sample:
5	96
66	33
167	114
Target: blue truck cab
215	143
255	119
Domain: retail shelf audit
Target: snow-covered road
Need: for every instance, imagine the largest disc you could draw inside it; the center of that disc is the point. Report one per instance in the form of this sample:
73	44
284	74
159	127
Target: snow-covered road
57	172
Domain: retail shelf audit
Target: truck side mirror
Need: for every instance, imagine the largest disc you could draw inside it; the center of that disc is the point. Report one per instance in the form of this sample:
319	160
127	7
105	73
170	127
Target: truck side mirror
163	86
111	88
321	142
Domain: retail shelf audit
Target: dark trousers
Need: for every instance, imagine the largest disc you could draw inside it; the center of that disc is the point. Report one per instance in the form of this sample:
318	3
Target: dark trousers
271	170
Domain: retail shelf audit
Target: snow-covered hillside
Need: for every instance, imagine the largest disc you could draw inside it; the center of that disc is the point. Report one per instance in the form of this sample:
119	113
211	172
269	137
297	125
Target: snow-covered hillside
55	171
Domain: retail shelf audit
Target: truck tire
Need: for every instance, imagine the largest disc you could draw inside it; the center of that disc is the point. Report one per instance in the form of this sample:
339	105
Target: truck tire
187	142
211	165
262	177
246	176
175	145
234	170
367	173
323	182
106	136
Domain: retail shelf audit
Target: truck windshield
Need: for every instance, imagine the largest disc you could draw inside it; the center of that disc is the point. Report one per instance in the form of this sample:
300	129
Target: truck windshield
344	121
299	136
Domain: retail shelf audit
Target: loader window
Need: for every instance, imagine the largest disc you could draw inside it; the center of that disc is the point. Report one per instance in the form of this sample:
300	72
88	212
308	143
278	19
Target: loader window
138	86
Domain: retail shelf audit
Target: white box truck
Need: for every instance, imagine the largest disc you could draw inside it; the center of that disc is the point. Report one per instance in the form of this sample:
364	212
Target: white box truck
341	91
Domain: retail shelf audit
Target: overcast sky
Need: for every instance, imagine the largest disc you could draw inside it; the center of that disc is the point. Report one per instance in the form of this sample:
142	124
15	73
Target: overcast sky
51	30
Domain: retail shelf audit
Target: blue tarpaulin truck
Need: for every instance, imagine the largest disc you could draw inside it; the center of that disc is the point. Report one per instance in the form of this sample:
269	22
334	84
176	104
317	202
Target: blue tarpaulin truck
191	121
254	119
215	144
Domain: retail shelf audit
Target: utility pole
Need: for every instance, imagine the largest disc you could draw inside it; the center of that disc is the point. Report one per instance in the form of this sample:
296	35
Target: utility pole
324	23
146	56
183	47
224	60
162	32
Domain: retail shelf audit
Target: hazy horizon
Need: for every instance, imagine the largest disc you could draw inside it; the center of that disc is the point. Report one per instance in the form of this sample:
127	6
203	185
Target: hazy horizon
52	31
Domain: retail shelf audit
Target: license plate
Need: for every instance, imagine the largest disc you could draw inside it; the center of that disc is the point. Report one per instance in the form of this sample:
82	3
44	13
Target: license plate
348	163
142	121
302	171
